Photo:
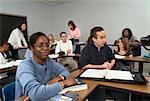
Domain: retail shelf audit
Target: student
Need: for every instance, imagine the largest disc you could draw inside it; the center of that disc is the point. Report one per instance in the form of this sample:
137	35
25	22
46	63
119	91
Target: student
3	49
133	42
40	77
52	40
98	55
123	50
17	39
75	35
65	45
52	43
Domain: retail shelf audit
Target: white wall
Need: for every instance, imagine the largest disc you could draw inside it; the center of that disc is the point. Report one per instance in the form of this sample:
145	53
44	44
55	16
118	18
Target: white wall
39	16
113	15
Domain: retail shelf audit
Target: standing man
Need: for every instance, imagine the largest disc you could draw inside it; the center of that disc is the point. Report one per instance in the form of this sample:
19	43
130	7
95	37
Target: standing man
40	77
98	55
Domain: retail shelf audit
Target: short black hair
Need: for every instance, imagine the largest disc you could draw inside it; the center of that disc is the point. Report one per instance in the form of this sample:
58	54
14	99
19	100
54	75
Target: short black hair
94	30
62	33
129	31
93	33
34	37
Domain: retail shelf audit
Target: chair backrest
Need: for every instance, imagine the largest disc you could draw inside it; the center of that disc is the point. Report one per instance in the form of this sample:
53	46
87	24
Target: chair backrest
8	92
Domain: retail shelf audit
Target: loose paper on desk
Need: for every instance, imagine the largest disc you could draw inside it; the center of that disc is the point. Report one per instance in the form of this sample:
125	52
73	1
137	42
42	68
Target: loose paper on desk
94	73
10	64
107	74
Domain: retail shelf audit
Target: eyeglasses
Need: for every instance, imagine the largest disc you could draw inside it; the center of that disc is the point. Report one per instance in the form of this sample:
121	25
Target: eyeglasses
42	46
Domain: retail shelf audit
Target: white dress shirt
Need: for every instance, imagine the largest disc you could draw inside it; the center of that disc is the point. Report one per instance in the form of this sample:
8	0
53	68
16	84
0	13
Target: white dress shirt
15	39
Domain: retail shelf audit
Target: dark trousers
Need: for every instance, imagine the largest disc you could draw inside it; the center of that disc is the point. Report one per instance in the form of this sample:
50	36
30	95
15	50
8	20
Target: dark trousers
77	48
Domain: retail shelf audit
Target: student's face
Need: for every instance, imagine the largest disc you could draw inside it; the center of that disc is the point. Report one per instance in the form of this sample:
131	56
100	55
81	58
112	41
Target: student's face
120	43
70	26
126	33
23	27
101	39
63	37
6	47
41	48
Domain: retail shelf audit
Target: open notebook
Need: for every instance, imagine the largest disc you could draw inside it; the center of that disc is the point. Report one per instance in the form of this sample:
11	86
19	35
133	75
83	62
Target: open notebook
107	74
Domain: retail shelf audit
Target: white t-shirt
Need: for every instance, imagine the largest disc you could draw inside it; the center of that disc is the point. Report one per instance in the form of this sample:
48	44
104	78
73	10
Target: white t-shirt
61	46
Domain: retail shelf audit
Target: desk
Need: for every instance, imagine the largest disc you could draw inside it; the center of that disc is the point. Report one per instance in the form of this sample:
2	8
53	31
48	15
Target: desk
133	88
8	69
139	59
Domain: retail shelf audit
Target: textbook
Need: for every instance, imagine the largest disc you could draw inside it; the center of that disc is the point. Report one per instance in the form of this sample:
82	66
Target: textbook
79	86
107	74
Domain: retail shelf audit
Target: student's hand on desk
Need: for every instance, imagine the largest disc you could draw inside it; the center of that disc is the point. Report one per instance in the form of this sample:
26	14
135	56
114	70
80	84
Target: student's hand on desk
55	79
87	66
69	81
107	65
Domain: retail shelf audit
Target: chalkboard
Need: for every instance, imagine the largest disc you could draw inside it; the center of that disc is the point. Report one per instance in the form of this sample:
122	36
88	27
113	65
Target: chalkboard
8	22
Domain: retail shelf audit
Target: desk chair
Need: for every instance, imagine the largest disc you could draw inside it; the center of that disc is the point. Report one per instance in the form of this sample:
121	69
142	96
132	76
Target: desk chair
8	92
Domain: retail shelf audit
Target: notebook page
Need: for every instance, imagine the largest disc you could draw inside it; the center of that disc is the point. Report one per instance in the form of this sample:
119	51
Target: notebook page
121	75
94	73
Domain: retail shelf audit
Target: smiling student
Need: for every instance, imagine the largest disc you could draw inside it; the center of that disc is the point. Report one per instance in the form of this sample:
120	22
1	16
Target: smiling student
40	77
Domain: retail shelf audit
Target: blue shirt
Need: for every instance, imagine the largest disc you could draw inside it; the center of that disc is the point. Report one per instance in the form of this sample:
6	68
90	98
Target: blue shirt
32	79
28	54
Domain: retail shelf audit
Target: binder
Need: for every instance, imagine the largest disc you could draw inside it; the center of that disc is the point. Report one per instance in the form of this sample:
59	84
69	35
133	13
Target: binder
117	76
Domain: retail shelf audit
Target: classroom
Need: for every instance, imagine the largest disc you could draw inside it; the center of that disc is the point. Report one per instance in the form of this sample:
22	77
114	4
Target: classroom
52	17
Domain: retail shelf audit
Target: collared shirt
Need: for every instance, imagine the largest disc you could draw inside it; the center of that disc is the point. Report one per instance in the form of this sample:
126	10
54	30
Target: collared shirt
92	55
32	79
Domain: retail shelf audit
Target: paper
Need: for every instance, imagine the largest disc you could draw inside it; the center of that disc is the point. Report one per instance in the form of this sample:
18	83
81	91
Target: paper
119	56
94	73
74	88
107	74
121	75
10	64
53	56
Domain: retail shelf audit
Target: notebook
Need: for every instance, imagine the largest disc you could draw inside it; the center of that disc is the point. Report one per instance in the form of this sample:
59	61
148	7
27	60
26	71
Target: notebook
114	75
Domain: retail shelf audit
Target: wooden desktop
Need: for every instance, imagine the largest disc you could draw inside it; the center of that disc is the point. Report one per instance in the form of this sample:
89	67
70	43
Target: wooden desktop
132	88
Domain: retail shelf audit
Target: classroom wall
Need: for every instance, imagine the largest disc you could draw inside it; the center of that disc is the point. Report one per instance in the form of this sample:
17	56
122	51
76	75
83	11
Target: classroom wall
113	15
39	15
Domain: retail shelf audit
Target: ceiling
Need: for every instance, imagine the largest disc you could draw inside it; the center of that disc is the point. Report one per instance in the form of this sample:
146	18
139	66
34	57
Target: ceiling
54	2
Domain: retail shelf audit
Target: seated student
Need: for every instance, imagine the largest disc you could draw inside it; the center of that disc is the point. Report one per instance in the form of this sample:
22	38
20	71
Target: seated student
65	45
123	50
52	43
98	55
133	42
3	49
40	77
